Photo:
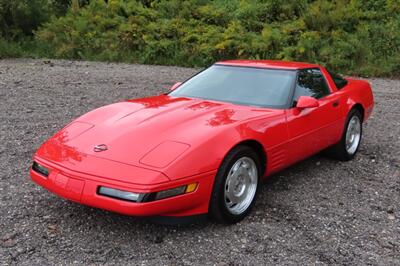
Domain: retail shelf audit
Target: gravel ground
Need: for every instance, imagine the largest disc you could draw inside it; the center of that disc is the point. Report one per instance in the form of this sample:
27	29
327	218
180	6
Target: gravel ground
317	212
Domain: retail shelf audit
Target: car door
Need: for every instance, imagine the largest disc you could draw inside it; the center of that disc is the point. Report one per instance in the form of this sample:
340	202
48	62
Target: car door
312	129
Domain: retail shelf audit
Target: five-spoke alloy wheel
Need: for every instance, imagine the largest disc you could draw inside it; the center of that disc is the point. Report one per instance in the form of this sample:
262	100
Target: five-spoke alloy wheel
348	145
236	185
241	185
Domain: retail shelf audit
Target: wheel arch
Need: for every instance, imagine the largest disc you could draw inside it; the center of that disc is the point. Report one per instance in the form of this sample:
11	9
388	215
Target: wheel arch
258	148
360	108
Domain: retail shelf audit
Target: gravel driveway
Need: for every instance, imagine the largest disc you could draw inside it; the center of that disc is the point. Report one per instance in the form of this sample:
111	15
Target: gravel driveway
317	212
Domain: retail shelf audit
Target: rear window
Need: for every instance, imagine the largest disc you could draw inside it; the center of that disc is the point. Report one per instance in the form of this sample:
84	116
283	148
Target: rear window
338	80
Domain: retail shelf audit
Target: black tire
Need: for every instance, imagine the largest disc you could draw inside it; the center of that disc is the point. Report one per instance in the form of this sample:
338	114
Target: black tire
339	151
218	211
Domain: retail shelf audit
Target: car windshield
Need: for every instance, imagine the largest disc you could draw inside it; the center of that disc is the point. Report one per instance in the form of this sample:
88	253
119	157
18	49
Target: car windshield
240	85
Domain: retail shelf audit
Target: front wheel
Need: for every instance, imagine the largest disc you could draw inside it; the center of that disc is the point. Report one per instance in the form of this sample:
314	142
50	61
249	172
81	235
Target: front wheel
235	186
348	145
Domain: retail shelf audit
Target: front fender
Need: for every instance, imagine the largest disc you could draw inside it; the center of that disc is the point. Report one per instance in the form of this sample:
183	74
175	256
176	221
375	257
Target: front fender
207	153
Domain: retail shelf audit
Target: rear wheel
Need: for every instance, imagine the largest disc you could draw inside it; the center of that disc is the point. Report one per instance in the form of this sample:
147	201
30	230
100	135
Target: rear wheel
235	186
348	145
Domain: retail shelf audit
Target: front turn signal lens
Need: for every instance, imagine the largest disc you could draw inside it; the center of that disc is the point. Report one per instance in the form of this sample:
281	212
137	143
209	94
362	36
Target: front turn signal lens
191	187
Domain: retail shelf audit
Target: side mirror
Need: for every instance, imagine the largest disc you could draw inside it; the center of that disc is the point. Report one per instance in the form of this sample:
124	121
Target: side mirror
176	85
307	102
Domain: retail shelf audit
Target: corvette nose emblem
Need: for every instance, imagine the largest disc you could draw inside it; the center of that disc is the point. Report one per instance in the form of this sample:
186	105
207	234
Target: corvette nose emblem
100	147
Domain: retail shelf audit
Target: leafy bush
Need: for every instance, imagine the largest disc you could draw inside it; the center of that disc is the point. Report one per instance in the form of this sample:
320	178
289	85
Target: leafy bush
349	36
19	18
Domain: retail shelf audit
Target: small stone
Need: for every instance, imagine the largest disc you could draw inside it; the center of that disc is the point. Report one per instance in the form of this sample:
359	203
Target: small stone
9	236
391	217
52	227
14	254
158	239
9	243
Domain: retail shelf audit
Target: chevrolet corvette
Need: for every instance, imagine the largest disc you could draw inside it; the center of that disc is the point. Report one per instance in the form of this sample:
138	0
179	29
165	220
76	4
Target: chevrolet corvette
203	148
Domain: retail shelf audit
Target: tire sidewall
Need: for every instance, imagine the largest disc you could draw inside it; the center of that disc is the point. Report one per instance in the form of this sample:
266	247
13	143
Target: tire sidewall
217	204
353	112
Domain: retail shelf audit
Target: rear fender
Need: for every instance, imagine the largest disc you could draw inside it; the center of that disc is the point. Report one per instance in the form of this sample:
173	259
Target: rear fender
359	92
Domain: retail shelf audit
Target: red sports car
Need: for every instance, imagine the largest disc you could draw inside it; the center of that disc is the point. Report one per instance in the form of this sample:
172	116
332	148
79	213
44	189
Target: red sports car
204	147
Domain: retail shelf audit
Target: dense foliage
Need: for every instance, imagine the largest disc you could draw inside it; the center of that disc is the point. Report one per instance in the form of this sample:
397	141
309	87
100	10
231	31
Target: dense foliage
350	36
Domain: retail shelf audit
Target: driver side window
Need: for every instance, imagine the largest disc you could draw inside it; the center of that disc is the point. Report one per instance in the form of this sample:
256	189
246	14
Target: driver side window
311	82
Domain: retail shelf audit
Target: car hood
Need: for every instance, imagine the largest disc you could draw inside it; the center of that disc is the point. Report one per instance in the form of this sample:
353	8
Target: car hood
151	132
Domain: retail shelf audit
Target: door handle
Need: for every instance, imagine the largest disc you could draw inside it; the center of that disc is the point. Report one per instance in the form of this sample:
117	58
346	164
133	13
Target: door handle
335	104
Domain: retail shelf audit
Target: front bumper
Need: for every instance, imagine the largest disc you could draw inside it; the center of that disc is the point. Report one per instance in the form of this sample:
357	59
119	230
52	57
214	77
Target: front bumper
83	188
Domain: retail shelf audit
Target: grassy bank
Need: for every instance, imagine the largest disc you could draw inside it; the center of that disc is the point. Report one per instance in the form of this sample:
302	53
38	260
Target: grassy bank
360	37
